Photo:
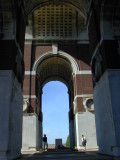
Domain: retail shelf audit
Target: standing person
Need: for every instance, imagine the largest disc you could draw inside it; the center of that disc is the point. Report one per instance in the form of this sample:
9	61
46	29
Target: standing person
84	142
45	142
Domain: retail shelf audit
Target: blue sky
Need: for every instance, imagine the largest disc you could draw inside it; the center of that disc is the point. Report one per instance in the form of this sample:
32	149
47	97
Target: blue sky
55	107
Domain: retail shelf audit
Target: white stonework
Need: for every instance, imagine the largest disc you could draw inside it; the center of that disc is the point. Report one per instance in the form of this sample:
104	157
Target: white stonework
85	125
31	134
62	54
30	73
29	96
83	95
55	48
83	72
10	116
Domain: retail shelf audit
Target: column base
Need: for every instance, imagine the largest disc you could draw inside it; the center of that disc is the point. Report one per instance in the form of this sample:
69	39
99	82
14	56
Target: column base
14	154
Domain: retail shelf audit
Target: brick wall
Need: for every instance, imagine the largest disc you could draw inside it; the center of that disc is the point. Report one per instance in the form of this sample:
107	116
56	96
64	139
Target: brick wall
40	50
79	105
27	56
82	82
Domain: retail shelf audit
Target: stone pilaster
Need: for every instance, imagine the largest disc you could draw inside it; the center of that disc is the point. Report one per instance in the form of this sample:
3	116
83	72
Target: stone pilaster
107	112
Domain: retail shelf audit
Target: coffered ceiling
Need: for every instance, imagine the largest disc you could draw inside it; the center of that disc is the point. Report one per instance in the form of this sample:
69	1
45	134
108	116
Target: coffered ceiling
81	5
56	22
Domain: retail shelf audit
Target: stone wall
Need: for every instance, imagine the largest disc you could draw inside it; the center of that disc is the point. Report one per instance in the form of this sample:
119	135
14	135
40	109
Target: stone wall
32	132
11	110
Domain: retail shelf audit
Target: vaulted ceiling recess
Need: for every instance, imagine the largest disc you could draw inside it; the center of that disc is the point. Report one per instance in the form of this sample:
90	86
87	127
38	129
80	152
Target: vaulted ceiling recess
56	21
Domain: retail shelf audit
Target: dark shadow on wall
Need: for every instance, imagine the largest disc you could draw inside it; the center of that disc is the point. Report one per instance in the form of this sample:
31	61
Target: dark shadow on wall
78	51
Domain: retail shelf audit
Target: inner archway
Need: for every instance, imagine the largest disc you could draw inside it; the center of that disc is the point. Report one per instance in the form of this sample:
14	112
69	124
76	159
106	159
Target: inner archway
55	67
55	107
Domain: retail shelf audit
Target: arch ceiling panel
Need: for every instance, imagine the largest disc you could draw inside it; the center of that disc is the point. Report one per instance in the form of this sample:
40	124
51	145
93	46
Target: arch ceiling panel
54	68
56	22
82	5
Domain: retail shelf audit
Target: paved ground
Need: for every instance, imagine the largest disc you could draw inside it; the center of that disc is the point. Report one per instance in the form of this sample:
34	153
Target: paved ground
66	155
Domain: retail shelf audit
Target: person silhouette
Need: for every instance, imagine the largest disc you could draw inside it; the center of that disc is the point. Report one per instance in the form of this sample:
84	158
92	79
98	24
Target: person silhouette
45	142
84	142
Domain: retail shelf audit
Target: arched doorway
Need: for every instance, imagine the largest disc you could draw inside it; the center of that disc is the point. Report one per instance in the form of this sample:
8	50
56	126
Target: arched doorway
55	108
55	67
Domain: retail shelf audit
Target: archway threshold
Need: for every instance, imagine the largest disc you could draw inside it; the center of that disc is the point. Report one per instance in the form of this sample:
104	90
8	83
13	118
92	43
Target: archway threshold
66	155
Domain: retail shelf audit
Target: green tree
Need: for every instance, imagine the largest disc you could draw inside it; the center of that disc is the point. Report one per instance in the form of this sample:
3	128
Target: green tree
67	142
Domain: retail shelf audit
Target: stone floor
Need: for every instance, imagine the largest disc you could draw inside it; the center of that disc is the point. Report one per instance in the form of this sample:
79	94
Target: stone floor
64	155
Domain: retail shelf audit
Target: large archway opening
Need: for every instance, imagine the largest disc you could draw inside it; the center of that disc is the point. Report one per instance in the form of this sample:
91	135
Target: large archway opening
57	39
50	68
44	28
55	108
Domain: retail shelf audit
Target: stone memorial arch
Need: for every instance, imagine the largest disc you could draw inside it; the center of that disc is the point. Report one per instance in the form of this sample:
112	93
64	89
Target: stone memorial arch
61	66
81	36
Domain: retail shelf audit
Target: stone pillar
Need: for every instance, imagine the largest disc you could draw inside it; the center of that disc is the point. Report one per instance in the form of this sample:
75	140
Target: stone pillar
71	129
10	116
107	112
40	128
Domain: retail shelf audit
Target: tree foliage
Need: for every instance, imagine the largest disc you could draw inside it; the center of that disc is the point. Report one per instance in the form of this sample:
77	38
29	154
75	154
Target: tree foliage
67	142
